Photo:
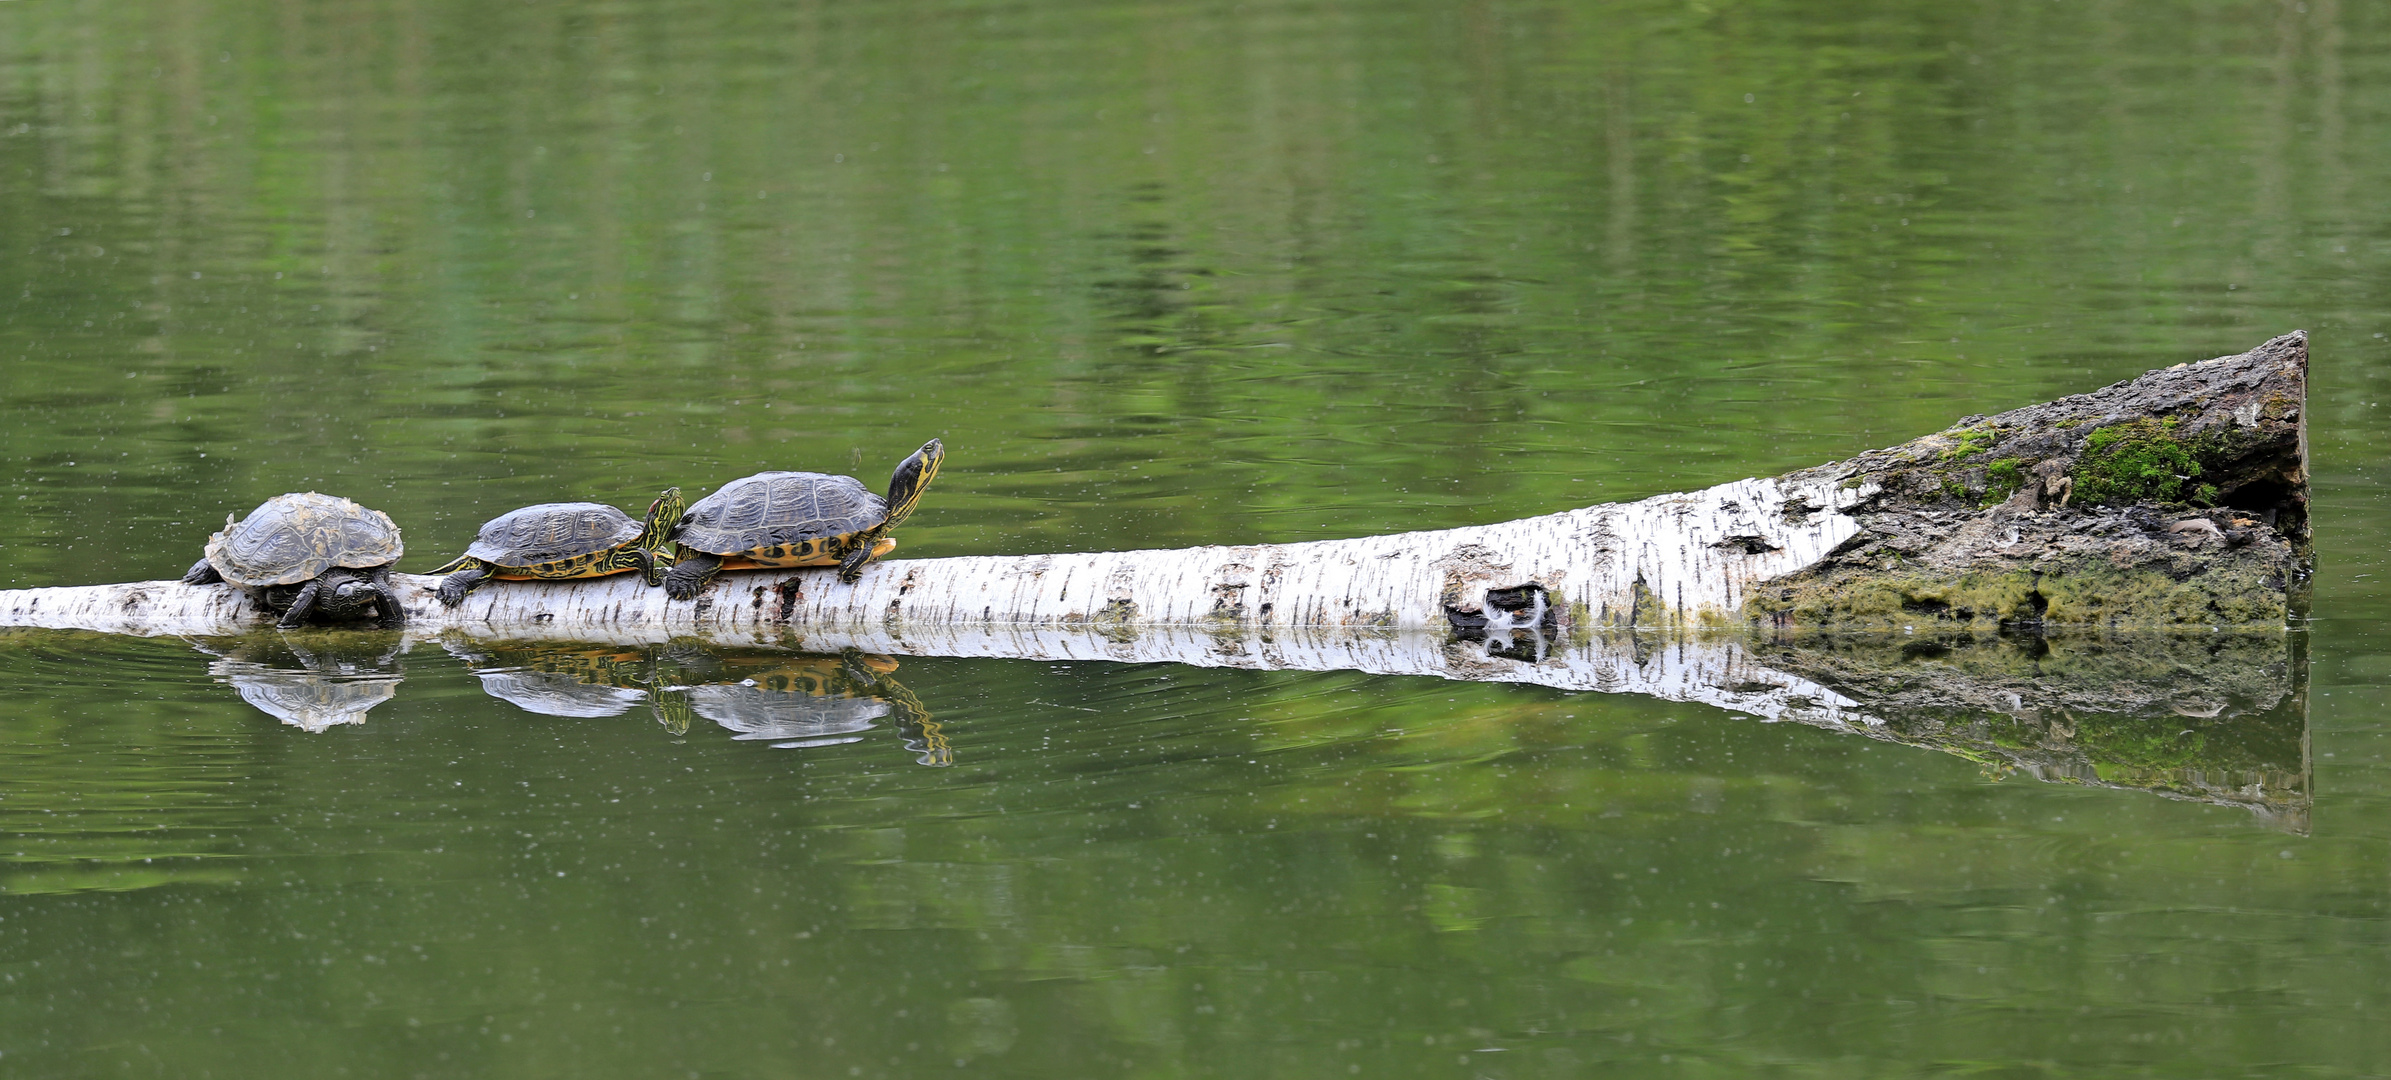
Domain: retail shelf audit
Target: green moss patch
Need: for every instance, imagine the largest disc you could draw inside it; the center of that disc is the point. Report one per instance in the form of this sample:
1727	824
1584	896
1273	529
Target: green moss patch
2140	461
2089	593
1972	442
1895	599
2002	478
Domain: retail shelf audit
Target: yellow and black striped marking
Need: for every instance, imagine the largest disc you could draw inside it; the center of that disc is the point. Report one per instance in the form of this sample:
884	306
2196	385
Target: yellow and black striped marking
827	551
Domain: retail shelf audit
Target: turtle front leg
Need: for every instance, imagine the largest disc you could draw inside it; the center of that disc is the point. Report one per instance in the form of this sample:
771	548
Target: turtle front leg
690	574
651	569
202	572
454	587
851	567
394	617
301	605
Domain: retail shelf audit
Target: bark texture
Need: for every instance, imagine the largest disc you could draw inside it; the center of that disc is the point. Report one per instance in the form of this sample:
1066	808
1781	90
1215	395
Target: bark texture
2175	499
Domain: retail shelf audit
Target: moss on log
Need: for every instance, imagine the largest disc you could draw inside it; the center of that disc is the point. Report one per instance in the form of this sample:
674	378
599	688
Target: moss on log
2179	498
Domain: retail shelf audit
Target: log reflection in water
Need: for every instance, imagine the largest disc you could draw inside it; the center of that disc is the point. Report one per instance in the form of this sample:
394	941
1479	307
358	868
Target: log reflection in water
2216	717
2219	718
311	685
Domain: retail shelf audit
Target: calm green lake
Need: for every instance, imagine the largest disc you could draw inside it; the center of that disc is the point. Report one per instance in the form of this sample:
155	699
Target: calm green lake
1157	274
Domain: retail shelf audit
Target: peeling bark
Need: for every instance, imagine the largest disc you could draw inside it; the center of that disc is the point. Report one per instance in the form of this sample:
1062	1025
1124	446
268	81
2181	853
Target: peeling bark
2175	499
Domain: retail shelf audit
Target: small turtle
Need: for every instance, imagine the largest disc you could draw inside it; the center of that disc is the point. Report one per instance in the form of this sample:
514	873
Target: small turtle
308	556
782	519
555	541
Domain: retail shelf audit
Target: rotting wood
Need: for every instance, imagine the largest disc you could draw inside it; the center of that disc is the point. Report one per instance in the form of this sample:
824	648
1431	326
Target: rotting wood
2175	499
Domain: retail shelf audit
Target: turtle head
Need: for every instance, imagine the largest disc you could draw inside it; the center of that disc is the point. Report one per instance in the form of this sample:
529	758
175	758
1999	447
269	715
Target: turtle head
354	592
655	535
664	515
913	476
346	594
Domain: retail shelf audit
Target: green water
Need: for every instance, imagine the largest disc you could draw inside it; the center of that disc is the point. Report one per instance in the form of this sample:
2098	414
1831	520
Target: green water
1157	274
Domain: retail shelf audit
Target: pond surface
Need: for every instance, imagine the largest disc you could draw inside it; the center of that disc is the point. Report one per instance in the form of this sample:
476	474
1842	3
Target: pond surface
1157	274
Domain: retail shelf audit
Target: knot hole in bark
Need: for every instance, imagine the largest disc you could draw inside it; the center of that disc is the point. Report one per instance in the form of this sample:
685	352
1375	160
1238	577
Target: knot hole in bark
1520	607
1748	544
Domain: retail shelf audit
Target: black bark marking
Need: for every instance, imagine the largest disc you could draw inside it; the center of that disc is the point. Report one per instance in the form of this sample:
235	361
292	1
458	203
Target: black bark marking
1749	544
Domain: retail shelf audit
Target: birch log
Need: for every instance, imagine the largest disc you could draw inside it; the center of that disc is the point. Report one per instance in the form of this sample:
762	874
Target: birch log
2175	499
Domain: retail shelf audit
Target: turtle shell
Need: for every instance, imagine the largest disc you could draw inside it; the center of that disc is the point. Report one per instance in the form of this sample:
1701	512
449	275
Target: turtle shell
779	508
552	532
293	538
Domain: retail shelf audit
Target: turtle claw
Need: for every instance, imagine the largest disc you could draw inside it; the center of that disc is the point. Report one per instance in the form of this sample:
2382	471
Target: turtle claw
690	576
386	601
453	588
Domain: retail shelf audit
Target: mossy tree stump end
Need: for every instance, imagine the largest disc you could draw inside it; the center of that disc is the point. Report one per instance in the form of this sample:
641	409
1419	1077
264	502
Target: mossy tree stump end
2179	498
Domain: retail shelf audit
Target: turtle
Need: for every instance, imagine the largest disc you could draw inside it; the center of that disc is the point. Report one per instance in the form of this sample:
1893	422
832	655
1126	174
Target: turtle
781	519
308	556
554	541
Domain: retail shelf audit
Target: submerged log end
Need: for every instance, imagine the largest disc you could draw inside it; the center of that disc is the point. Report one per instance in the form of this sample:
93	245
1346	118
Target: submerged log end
2179	498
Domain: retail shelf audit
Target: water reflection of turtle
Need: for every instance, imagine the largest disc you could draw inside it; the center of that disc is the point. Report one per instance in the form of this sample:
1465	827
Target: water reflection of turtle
310	689
794	702
568	682
787	701
309	557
